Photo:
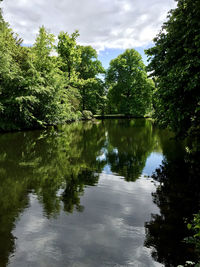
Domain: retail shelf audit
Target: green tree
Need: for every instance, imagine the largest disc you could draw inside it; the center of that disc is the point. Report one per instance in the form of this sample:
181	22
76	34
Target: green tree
48	84
14	98
43	47
89	66
91	87
56	105
174	61
130	90
92	93
69	53
69	57
32	88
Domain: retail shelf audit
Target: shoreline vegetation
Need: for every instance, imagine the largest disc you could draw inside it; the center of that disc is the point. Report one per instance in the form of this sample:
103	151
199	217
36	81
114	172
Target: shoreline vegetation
92	118
120	116
51	83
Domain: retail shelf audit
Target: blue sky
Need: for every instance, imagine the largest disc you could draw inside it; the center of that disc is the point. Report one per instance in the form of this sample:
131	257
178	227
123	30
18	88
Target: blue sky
110	26
105	56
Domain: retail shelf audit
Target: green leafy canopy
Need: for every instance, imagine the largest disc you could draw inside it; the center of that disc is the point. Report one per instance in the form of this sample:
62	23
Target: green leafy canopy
175	63
130	90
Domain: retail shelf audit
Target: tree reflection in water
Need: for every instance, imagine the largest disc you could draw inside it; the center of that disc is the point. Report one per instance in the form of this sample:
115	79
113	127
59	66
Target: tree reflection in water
57	164
130	143
178	198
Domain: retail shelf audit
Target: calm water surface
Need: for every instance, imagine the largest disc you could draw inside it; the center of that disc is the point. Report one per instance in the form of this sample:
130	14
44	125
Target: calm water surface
84	195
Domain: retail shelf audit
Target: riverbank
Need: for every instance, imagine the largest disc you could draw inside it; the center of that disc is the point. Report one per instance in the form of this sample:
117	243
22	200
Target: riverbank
85	117
120	116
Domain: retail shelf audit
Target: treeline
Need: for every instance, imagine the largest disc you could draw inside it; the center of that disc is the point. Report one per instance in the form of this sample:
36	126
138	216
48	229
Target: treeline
54	82
46	84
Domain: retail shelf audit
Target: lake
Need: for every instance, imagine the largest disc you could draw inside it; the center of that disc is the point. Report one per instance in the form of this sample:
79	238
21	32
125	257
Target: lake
103	193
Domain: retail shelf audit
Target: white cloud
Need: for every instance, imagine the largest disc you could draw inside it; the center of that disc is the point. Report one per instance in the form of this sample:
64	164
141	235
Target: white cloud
102	23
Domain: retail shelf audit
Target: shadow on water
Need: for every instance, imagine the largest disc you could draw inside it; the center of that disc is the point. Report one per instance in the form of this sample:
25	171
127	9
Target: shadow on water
57	165
178	198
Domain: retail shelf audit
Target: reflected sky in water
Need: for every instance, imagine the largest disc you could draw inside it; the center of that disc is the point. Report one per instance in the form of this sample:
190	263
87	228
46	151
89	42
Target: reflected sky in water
80	194
153	161
109	232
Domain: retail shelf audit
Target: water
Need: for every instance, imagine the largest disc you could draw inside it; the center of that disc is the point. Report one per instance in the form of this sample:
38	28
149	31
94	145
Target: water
83	195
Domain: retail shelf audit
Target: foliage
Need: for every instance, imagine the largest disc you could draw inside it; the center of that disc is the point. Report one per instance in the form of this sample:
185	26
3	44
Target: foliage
15	103
53	102
195	227
70	55
89	66
91	87
175	63
40	87
33	87
82	67
92	93
130	90
87	115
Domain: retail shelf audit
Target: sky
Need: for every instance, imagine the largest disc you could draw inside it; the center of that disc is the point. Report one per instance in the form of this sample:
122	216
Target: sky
110	26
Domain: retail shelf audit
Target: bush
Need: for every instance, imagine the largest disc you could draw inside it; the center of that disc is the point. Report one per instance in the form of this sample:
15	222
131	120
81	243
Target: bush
87	115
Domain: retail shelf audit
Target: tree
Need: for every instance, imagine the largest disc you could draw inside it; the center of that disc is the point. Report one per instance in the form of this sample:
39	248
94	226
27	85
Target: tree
14	101
48	80
56	104
32	88
174	61
42	48
129	88
89	66
82	67
70	55
90	86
